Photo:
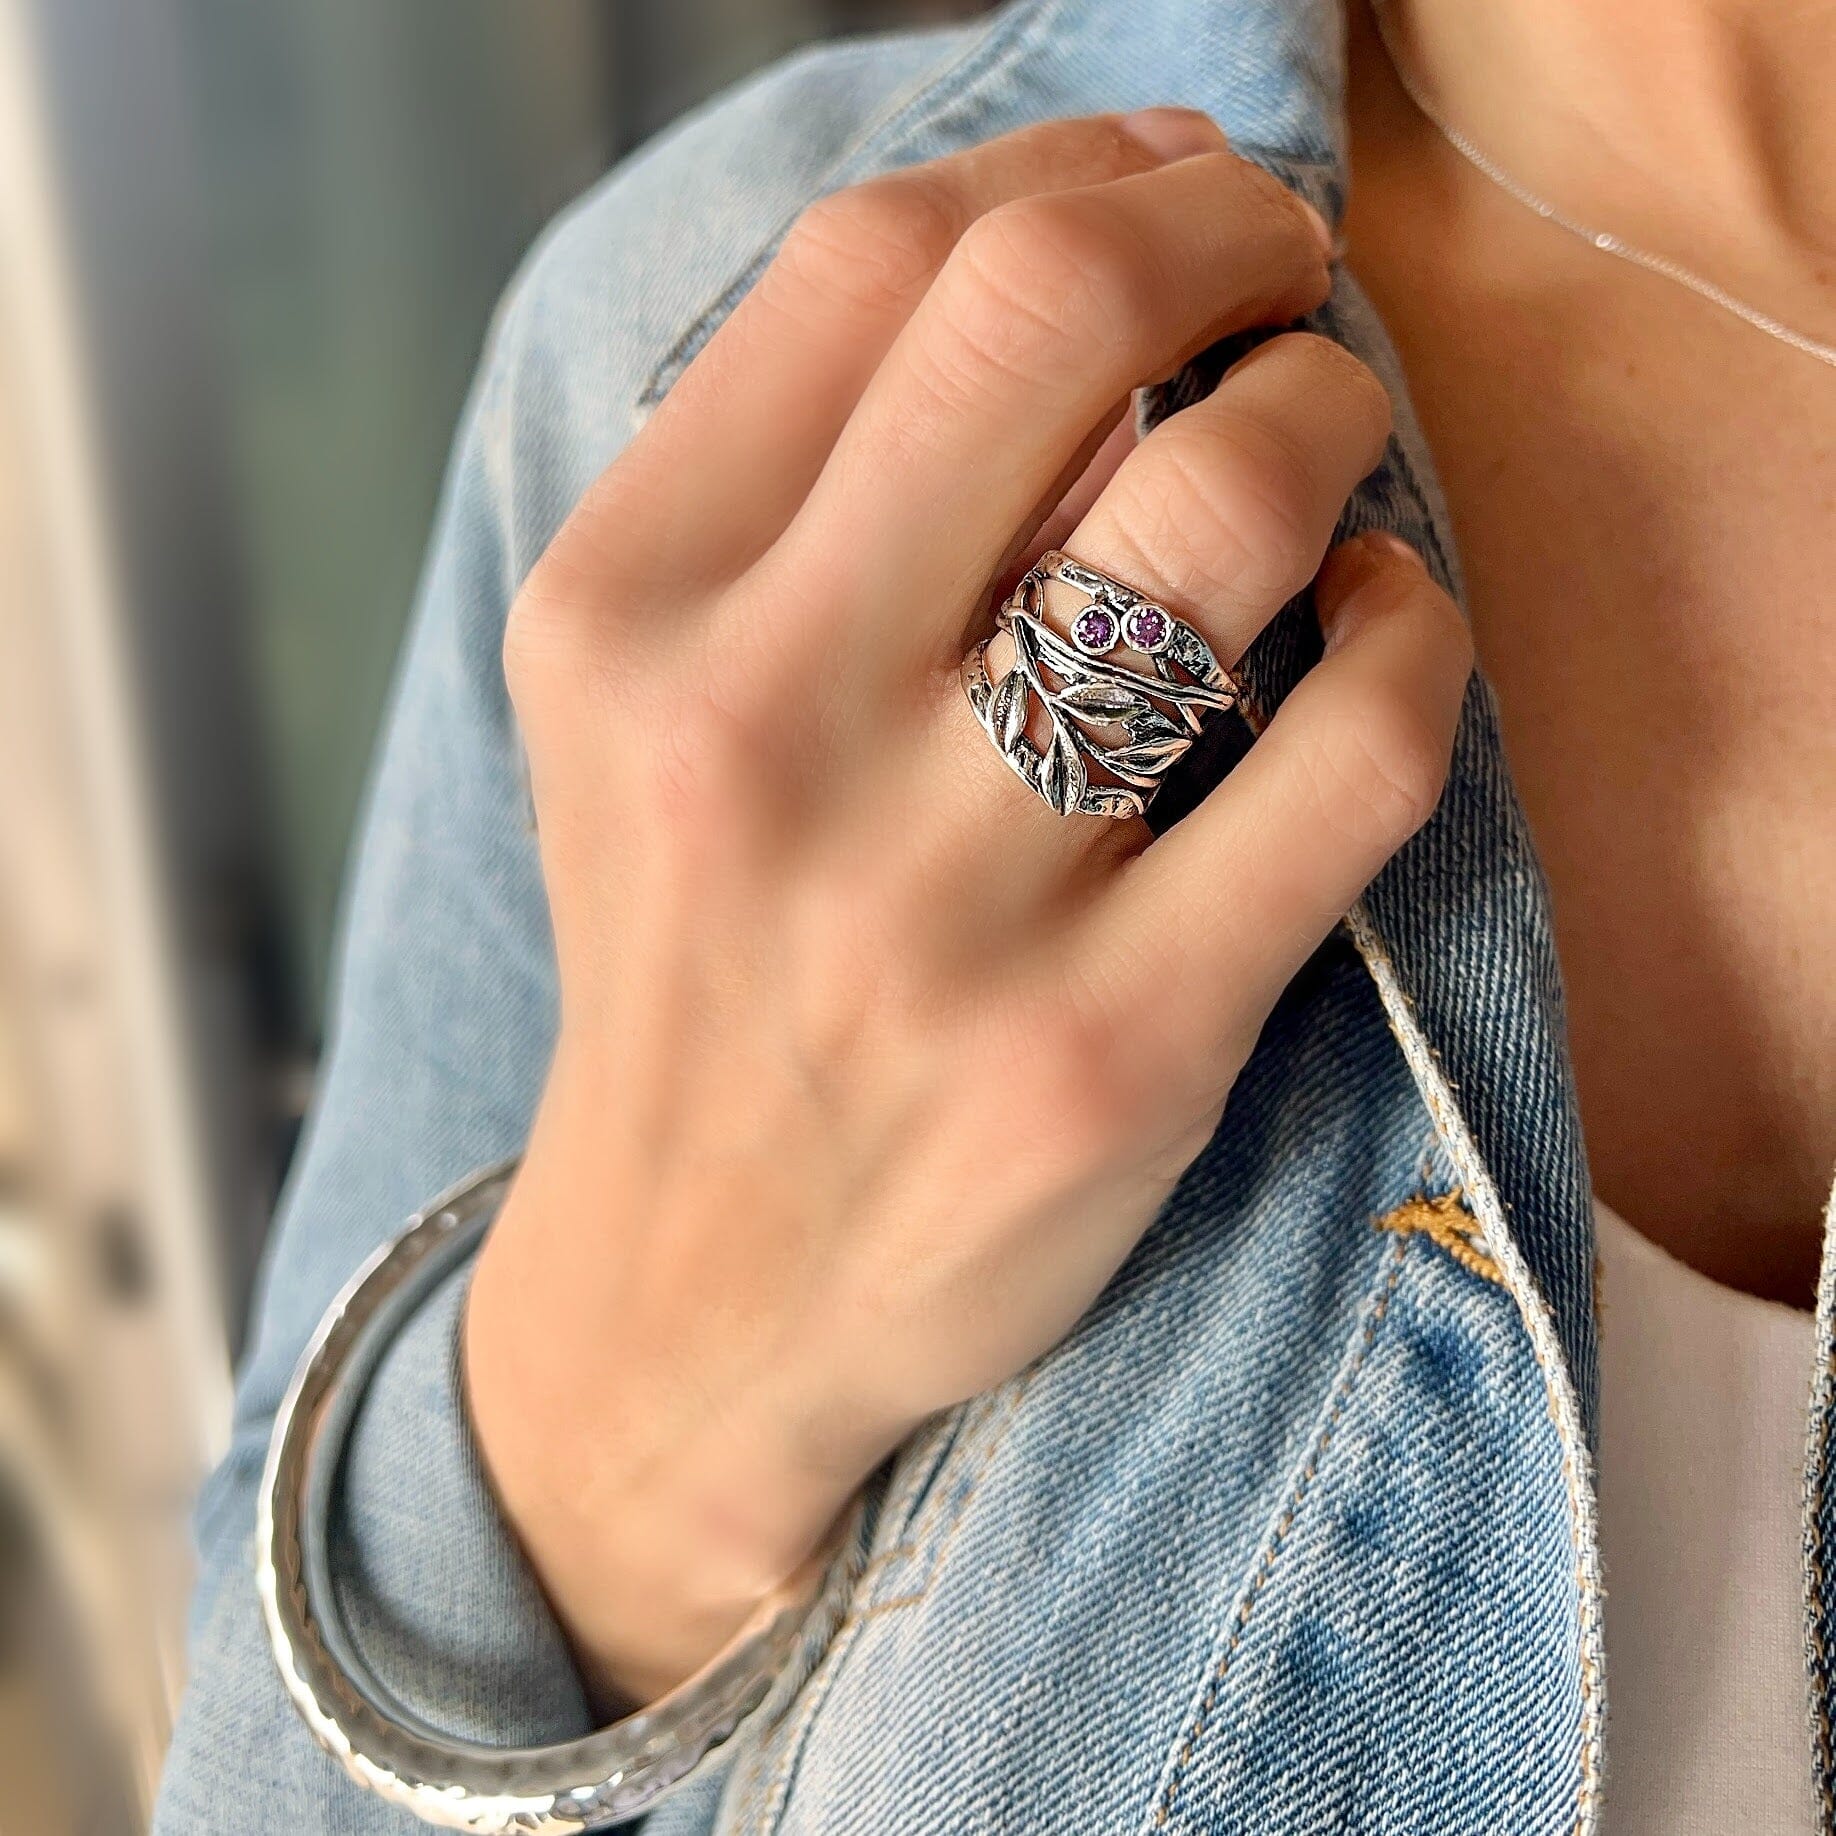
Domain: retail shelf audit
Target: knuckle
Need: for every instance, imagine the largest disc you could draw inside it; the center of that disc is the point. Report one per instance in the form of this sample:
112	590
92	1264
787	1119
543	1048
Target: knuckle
1044	275
1380	770
875	243
1358	391
701	757
1288	216
1063	1041
548	643
1234	503
1272	217
1341	369
1113	146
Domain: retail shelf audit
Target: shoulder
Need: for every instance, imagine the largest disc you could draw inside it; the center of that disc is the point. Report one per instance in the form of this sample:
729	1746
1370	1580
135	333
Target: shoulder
628	282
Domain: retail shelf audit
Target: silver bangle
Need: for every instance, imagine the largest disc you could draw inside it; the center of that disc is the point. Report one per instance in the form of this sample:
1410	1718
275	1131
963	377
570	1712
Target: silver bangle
614	1773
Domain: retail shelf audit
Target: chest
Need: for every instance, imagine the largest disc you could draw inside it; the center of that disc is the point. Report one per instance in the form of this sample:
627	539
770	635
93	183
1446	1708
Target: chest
1642	491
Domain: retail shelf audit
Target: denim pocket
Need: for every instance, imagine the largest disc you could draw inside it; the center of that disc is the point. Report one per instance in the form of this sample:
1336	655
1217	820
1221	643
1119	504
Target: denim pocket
1401	1655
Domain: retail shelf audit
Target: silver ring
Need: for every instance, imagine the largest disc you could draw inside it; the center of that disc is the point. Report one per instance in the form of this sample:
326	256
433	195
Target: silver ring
1115	732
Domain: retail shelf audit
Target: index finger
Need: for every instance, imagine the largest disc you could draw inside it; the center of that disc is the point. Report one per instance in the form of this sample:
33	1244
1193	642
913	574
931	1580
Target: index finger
749	423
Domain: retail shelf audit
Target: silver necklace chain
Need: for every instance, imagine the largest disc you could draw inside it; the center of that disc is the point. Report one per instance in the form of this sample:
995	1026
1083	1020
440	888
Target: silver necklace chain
1603	240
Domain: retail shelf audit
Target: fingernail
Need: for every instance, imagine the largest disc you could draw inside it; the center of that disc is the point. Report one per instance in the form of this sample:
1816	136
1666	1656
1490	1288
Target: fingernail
1321	228
1391	544
1174	133
1349	569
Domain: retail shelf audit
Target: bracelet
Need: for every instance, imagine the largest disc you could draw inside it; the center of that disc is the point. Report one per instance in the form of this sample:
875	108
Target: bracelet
611	1774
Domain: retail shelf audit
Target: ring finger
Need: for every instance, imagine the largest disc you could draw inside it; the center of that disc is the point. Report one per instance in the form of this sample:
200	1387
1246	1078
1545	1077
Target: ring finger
1222	514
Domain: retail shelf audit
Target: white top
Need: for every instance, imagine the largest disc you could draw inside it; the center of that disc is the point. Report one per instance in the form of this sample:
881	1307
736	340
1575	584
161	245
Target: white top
1704	1402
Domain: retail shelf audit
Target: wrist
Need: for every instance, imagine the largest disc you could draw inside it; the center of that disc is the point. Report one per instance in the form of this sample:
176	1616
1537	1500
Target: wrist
659	1495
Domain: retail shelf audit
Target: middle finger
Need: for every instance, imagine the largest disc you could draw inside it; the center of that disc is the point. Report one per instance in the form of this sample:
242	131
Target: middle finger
1049	310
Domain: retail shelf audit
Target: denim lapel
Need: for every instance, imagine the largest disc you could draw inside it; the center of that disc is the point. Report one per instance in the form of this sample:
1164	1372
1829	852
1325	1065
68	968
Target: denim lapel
1457	928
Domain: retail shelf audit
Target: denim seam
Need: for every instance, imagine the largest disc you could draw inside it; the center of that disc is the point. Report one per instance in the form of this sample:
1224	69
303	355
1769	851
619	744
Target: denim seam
1816	1480
768	1791
920	1463
906	112
776	1789
1277	1538
1564	1405
933	1528
1816	1654
978	1443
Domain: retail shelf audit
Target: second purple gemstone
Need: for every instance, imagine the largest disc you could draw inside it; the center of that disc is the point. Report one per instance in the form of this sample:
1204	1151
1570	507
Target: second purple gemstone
1147	628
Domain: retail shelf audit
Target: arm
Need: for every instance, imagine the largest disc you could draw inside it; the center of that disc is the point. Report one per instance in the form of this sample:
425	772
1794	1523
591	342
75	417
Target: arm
443	1010
740	1173
443	1023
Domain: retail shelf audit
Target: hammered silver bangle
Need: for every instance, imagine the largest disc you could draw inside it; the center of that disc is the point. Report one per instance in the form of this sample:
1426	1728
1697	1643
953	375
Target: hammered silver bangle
615	1773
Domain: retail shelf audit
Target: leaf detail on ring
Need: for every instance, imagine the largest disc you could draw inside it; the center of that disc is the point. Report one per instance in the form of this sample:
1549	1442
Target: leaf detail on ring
1103	700
1007	713
1112	800
1194	655
1149	756
1154	725
1062	777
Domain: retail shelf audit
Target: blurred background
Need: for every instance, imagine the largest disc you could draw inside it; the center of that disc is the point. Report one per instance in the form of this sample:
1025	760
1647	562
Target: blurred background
247	256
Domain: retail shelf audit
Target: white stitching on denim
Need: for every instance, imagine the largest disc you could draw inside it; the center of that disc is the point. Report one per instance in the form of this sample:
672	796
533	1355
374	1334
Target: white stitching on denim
1564	1405
1816	1478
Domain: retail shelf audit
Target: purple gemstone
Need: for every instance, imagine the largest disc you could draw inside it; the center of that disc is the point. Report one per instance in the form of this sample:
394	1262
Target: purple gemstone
1147	628
1093	631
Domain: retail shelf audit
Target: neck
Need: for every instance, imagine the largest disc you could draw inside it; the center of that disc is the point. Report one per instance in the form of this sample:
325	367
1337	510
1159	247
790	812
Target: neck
1677	119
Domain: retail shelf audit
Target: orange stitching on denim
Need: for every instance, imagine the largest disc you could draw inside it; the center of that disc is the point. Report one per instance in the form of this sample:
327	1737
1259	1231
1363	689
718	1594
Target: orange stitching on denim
1444	1220
1283	1524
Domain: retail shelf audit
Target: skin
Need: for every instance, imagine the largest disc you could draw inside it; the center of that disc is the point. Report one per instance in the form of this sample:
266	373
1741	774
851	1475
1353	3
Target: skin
812	933
1642	491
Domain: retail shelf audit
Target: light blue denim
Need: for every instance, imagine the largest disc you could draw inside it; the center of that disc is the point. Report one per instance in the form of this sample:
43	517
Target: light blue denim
1296	1531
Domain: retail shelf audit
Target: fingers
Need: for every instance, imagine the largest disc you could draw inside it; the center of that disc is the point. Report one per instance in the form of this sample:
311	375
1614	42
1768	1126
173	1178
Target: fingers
1199	934
1048	311
750	421
1225	510
1222	513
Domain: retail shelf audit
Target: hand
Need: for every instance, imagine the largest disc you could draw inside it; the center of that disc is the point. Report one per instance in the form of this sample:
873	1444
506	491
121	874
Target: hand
871	1070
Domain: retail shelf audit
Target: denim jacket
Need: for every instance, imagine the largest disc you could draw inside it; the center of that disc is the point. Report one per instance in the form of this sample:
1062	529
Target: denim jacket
1296	1532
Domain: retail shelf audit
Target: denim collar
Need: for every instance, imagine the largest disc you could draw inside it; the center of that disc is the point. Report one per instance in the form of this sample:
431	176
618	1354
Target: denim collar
1457	929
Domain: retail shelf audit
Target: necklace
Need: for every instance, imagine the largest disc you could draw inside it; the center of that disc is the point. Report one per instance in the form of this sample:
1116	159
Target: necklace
1603	240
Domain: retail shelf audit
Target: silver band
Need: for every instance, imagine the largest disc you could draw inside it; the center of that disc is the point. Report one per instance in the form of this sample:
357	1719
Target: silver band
612	1774
1115	732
